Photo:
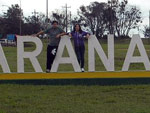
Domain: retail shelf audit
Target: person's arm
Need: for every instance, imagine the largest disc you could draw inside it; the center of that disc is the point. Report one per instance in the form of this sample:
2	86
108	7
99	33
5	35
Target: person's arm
69	34
61	34
39	33
86	34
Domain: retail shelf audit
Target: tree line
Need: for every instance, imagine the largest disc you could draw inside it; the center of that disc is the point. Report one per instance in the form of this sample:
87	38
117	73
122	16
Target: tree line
100	18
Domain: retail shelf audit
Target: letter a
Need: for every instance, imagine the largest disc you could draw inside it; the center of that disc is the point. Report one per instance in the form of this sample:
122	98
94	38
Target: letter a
3	61
136	40
65	41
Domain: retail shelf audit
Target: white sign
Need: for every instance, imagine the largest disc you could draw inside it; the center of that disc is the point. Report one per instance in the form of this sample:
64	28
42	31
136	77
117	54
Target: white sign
136	41
65	42
93	46
3	61
21	54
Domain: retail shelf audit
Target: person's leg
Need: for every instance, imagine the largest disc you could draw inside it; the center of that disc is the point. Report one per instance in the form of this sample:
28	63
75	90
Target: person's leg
82	51
48	65
52	50
77	51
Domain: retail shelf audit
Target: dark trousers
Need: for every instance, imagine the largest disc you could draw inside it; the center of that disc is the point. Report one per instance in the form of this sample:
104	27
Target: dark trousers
51	53
80	50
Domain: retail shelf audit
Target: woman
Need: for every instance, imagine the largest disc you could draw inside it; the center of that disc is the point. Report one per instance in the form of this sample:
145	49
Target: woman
78	35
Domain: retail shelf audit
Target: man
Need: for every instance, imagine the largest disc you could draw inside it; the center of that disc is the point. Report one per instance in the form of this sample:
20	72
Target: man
54	33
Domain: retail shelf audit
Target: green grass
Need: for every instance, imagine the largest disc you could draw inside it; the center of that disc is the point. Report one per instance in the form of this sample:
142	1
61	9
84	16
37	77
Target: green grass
121	47
74	99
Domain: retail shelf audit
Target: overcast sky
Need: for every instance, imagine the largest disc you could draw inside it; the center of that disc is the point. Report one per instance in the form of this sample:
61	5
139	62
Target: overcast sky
29	6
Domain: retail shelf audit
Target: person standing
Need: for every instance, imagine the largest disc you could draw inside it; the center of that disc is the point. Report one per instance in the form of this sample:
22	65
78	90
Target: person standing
54	33
78	35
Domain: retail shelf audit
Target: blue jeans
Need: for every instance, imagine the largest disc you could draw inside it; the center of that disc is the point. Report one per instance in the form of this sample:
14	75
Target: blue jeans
80	50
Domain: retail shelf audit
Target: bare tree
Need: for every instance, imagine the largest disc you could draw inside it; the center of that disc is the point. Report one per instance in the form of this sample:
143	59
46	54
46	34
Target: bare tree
127	17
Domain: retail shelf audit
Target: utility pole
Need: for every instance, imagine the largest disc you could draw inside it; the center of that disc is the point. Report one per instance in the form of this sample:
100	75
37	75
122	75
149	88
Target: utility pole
149	24
34	13
66	7
112	27
46	11
20	19
70	22
149	19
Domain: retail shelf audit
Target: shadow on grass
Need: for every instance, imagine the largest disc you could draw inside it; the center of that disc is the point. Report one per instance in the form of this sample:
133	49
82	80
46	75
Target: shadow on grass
88	82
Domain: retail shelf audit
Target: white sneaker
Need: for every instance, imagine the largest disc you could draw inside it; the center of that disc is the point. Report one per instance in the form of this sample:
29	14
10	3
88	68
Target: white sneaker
82	69
47	71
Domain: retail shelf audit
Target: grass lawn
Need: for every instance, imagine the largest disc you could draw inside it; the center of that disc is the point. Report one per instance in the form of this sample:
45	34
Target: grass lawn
74	99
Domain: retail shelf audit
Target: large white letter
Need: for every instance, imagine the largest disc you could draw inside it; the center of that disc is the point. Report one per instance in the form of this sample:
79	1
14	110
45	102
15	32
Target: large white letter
31	55
93	44
65	41
3	61
136	40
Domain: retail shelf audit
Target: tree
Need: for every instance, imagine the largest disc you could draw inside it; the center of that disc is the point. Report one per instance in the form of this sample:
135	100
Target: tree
59	16
127	17
93	16
112	17
32	25
12	19
2	25
146	32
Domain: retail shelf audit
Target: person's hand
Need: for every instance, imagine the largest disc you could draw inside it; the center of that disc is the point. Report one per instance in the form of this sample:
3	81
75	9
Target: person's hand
87	36
69	35
58	36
